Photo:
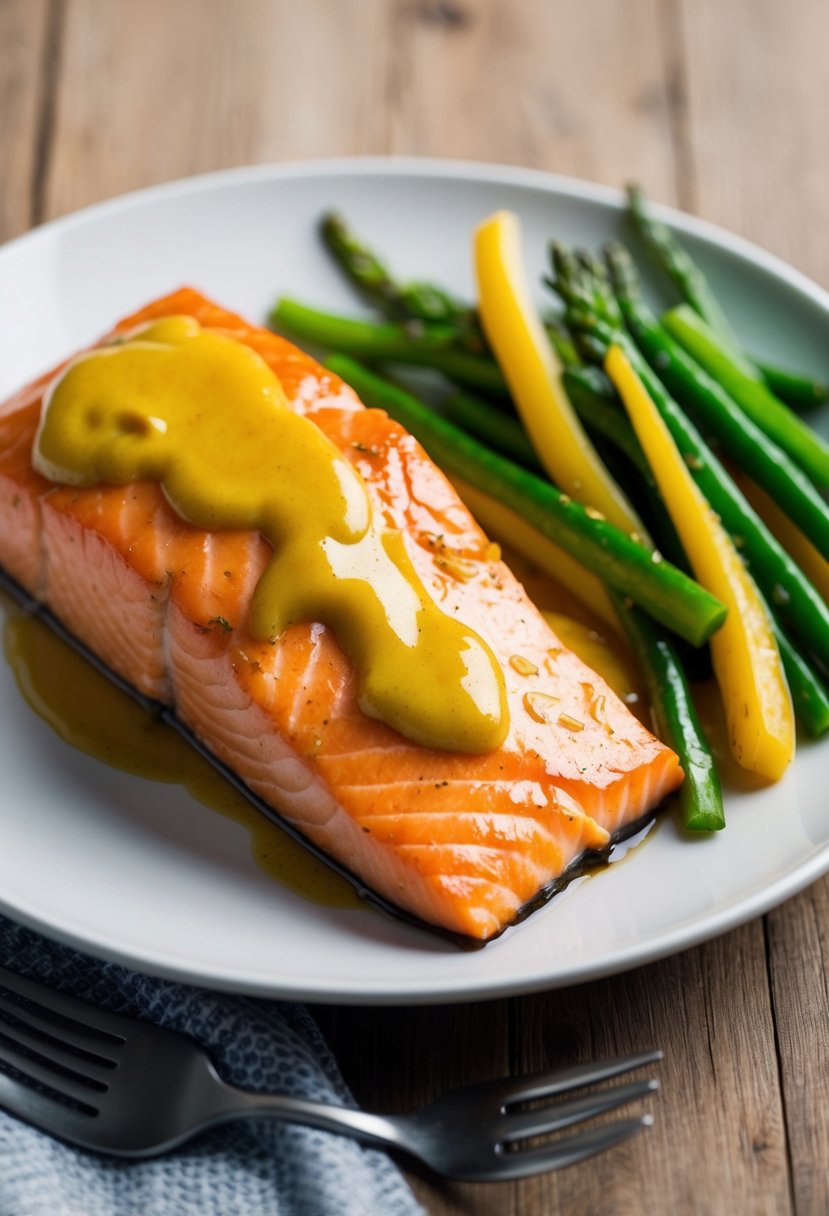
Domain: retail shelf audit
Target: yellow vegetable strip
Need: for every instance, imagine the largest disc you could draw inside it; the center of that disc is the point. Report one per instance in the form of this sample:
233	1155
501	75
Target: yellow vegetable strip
502	522
533	372
758	705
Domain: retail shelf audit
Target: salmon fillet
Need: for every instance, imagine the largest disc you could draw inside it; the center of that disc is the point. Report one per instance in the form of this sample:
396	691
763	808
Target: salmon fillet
462	841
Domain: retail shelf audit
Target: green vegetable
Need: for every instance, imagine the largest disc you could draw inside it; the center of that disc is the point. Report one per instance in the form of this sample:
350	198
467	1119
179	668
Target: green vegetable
711	406
742	382
658	587
799	607
431	346
809	696
700	795
798	391
595	401
492	426
674	260
399	301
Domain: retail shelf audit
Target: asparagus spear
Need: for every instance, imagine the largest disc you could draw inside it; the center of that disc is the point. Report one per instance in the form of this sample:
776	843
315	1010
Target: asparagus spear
798	391
677	723
742	382
399	301
709	403
389	343
801	610
659	588
492	426
422	303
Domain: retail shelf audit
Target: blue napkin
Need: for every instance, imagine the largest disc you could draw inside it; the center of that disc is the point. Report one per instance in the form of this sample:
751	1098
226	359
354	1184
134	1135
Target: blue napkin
250	1168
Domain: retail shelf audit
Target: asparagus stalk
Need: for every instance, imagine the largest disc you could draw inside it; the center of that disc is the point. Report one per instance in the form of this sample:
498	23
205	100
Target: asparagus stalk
803	613
659	588
720	416
798	391
674	260
492	426
388	343
747	663
400	301
676	720
742	382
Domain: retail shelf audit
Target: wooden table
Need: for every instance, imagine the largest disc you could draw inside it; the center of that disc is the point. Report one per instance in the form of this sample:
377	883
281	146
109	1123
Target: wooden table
716	105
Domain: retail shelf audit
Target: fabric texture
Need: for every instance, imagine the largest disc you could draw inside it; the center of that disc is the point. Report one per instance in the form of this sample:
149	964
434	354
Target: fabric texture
253	1168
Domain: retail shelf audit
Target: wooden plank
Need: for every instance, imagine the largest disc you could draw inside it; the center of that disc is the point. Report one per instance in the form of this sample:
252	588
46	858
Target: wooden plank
23	97
799	957
578	89
756	107
201	84
718	1142
401	1059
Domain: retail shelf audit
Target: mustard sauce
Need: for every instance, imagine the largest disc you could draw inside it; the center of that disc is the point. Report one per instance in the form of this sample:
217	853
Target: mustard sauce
204	415
87	711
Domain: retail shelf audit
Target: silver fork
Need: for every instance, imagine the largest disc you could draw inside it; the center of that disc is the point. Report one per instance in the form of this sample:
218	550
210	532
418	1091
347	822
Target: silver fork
117	1085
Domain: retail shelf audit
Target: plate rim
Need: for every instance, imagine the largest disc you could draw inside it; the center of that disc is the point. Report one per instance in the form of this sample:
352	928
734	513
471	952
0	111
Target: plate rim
738	911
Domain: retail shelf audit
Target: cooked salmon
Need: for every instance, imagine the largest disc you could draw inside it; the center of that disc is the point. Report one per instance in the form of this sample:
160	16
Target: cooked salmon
462	841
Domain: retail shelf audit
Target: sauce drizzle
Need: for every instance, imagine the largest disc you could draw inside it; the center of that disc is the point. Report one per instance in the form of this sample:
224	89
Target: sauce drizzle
204	415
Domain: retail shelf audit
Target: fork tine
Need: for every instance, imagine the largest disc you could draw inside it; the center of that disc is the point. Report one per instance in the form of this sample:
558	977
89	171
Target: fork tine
58	1004
68	1031
558	1081
75	1087
41	1109
564	1152
97	1070
523	1125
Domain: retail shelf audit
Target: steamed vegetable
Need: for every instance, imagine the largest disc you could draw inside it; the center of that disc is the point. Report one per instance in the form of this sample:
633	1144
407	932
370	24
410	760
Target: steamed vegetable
801	610
710	405
432	346
424	302
798	391
747	664
533	373
745	385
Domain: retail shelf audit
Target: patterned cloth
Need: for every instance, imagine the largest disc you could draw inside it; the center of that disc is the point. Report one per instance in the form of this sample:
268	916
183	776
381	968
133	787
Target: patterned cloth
250	1168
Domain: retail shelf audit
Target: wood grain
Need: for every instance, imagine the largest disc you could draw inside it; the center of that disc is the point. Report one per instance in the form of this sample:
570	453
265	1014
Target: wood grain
709	1012
755	72
718	107
799	960
532	84
201	84
24	89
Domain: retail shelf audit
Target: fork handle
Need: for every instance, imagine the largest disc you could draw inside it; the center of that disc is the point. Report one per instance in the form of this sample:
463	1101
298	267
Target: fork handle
233	1103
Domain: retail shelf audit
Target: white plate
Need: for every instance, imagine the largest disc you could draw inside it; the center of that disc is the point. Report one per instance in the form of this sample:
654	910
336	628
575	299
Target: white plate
141	873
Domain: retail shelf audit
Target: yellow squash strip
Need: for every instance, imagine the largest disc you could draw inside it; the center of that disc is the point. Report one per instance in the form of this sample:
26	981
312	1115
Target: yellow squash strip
501	522
798	546
533	372
758	705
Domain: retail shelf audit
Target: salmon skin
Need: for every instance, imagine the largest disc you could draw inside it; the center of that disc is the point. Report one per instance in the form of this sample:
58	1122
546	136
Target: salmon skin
463	842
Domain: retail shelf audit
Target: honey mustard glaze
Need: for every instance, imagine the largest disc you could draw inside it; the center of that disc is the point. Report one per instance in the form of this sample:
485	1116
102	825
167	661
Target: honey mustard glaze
87	711
205	416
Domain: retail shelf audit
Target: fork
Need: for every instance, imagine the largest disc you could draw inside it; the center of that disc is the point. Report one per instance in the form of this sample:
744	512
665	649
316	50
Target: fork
117	1085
